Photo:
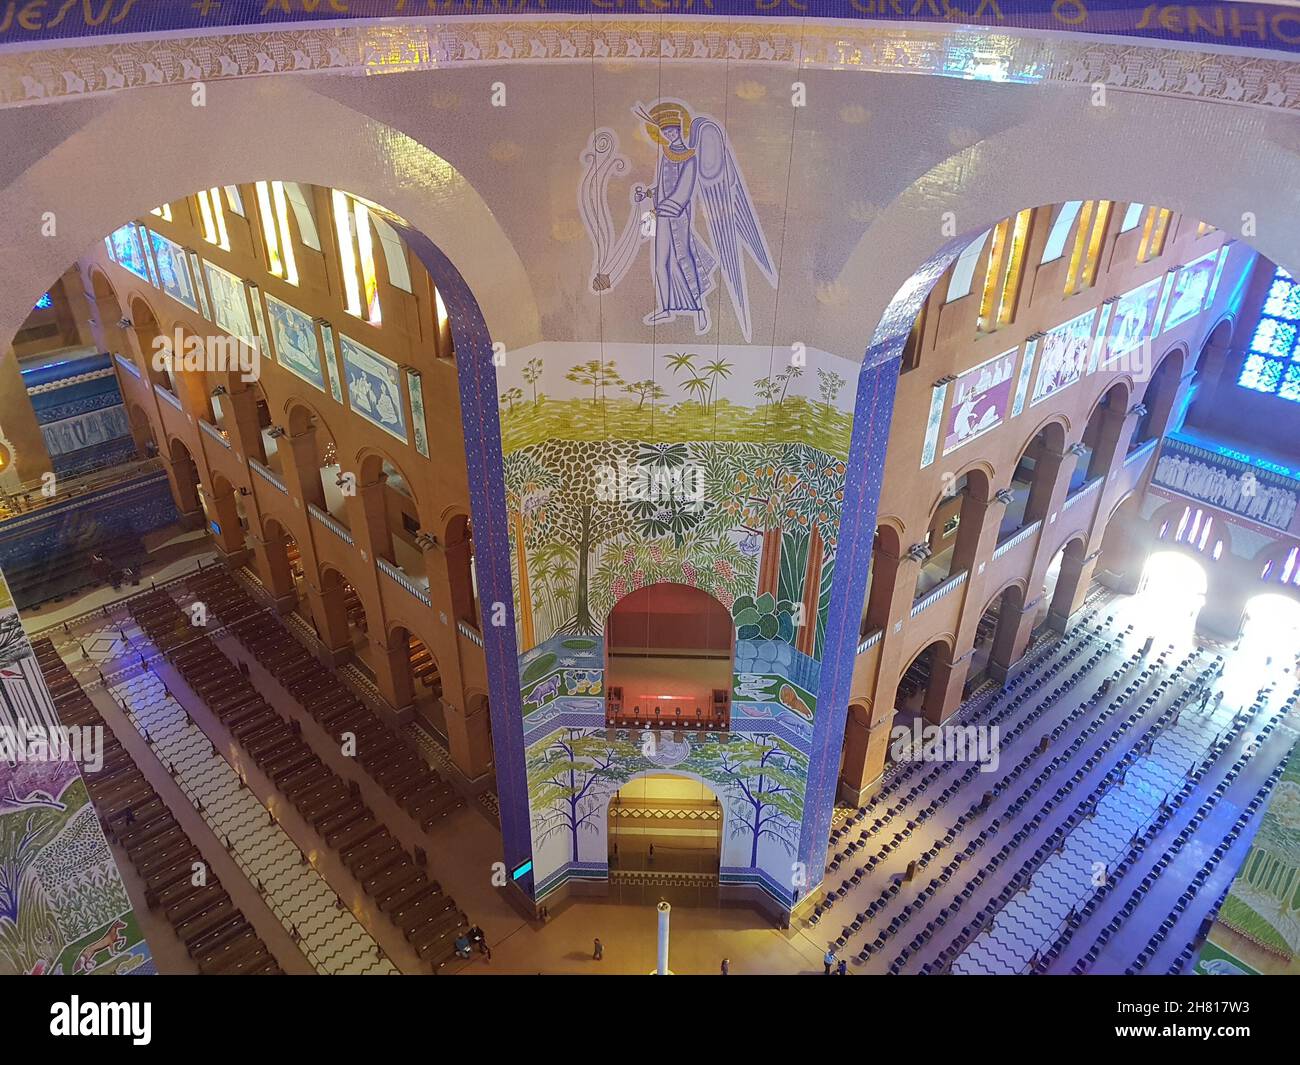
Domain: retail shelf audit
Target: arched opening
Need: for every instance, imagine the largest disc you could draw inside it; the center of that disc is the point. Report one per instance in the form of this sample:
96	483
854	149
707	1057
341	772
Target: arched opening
392	516
991	656
339	616
106	326
225	514
664	830
669	651
279	565
952	535
1172	592
146	444
461	574
881	578
1157	403
1101	437
184	479
150	340
1060	592
1271	631
1033	480
917	689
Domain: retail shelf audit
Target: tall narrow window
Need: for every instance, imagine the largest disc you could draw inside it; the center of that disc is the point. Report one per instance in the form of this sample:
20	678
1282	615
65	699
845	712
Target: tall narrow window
1272	364
213	217
1088	240
356	256
274	209
963	270
164	212
1132	216
1002	278
1202	228
235	200
1154	230
1060	231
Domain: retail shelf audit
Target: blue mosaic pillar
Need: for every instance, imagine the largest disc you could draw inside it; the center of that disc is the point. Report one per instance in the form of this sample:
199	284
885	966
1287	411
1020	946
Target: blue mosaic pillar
873	412
482	428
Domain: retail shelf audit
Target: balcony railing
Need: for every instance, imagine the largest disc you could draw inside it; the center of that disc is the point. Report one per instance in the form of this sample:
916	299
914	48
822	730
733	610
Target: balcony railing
1141	452
215	433
127	365
1020	537
871	640
469	632
338	529
937	593
166	394
267	475
395	574
1086	490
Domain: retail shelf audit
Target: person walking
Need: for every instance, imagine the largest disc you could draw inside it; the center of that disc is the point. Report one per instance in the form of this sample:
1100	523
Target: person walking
726	966
843	968
597	951
829	960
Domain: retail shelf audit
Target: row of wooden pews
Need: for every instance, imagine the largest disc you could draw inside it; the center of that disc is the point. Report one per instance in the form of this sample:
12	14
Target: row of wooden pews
388	757
428	918
423	667
215	932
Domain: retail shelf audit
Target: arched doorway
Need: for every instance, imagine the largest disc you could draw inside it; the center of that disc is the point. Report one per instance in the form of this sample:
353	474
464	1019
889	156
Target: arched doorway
668	657
953	533
1060	591
995	638
1172	592
665	834
917	692
1157	402
1033	480
1272	628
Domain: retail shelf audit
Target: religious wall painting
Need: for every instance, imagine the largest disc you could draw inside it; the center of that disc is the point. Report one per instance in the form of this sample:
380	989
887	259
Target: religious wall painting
229	302
980	399
127	250
1134	320
173	270
1063	354
415	390
1191	289
697	180
293	336
374	386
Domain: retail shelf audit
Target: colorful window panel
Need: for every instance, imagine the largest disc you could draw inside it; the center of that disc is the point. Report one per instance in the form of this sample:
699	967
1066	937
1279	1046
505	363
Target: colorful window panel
1272	365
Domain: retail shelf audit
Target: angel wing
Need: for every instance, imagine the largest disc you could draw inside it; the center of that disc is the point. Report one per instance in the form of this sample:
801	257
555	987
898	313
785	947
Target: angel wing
733	225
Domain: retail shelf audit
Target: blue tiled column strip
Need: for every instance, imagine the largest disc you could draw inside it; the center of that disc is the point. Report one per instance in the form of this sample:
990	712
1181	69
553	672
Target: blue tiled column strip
482	430
866	469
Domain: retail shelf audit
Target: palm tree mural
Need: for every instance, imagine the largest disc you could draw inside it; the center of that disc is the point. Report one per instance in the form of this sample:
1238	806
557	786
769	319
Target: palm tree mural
532	373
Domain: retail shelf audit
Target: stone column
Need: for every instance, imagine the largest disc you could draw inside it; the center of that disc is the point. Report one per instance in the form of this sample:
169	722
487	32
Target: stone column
943	695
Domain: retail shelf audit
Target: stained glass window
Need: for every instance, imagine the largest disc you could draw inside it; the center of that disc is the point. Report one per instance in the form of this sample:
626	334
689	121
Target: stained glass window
1272	365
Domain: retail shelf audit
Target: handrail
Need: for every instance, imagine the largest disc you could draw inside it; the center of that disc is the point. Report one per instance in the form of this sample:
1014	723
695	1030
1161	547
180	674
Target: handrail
872	638
1087	489
1020	537
166	394
397	575
267	475
215	433
326	519
469	632
127	365
938	592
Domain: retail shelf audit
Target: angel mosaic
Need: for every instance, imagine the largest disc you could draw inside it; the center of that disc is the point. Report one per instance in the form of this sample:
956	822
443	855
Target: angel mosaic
696	171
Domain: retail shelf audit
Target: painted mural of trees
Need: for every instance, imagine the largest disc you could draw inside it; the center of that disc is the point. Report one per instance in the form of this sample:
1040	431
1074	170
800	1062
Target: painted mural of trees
812	507
829	384
747	485
701	383
715	565
765	779
529	485
644	390
577	517
571	778
532	373
598	374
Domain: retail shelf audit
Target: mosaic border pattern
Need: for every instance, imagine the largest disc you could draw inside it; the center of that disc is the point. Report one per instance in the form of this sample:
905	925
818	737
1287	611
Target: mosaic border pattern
1194	71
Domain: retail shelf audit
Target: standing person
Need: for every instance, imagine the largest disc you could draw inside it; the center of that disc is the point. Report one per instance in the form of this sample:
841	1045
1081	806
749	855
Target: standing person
598	950
843	968
726	966
829	959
